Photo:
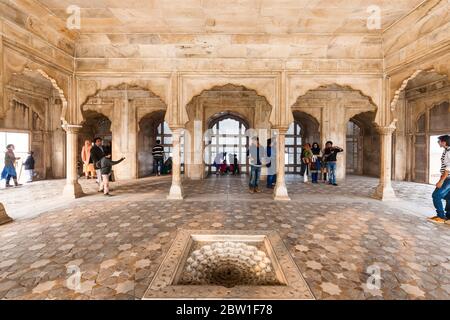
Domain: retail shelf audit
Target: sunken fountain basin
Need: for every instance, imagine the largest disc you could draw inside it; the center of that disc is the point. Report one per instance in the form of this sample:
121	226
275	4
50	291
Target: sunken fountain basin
228	265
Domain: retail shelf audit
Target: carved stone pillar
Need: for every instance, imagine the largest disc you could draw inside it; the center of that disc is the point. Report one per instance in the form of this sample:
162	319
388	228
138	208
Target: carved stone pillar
4	218
384	191
280	192
176	190
72	189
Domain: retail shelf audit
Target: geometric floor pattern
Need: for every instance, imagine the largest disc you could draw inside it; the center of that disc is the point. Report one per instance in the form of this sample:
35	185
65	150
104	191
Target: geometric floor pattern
346	245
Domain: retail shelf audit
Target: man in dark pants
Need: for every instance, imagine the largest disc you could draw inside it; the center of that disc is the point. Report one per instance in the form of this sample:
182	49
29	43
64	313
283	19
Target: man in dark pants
29	167
330	158
271	171
158	158
97	154
255	153
443	186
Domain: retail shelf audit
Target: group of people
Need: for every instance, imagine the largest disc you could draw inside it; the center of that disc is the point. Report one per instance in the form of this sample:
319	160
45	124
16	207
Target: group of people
314	160
224	167
320	162
9	171
97	164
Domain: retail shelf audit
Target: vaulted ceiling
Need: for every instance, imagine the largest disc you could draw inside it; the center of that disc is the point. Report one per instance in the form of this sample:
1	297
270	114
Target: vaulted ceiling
230	16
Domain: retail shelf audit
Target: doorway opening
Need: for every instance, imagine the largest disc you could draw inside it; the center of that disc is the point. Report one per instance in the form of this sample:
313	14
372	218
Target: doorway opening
227	140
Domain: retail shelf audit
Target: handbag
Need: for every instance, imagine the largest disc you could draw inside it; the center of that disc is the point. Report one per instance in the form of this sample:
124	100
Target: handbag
112	177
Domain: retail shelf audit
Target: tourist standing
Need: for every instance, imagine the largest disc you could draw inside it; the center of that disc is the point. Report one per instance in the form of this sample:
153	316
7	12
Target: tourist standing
9	171
443	186
158	158
29	167
272	165
105	165
255	154
306	159
97	154
235	165
218	162
330	158
316	163
88	164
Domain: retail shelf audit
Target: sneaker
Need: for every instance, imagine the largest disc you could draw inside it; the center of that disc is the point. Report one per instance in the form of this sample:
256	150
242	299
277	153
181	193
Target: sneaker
251	190
437	219
108	195
335	184
257	190
9	186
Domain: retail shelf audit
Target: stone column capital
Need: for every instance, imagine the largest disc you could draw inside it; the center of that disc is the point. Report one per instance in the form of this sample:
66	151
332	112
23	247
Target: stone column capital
71	128
386	130
282	130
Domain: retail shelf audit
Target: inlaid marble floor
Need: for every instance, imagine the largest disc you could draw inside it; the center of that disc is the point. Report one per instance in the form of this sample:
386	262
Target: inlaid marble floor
338	237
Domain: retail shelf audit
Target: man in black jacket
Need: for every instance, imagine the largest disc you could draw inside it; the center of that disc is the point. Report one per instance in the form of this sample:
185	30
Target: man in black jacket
29	167
97	154
330	158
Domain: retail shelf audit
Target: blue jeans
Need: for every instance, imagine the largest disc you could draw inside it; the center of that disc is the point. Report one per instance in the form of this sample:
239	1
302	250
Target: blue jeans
157	165
271	180
438	196
255	173
331	167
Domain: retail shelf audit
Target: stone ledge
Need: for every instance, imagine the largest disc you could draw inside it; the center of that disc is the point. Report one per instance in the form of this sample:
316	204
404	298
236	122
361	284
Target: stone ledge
4	218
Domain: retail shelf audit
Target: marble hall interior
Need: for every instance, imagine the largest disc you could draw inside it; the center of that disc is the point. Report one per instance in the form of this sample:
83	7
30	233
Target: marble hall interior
204	78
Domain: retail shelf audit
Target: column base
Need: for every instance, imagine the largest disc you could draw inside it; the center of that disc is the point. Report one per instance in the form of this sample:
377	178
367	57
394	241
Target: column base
175	193
4	218
281	194
384	193
73	191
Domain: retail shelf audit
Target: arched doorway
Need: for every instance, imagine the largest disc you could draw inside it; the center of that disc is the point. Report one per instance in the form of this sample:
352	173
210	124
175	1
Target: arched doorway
354	145
430	125
246	106
34	107
96	125
293	147
153	128
304	129
332	106
125	105
422	106
362	146
227	140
